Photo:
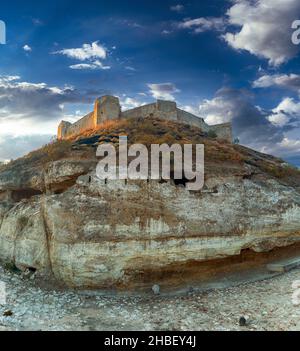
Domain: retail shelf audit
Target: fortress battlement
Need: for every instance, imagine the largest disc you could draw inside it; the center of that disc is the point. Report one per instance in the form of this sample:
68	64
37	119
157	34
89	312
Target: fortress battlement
109	108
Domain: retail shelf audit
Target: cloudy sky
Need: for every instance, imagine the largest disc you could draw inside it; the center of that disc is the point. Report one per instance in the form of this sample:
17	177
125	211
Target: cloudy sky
224	60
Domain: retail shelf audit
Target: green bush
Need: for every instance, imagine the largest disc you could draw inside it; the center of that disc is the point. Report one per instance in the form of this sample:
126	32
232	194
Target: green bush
11	267
212	134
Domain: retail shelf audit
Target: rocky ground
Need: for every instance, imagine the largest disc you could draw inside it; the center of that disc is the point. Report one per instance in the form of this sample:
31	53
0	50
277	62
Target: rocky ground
268	305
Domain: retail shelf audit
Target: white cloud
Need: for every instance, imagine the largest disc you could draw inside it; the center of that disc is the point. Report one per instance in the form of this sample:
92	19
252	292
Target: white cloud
90	53
287	148
130	23
261	27
265	28
130	68
12	147
287	112
37	22
218	110
7	79
191	109
90	66
23	105
288	81
27	48
164	91
250	122
202	24
177	8
86	52
28	127
30	113
279	119
290	145
273	132
130	103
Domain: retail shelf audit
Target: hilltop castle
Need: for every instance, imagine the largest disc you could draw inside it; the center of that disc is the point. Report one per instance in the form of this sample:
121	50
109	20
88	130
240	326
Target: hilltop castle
109	108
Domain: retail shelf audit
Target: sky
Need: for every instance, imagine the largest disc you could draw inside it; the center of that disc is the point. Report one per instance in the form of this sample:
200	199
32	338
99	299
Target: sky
224	60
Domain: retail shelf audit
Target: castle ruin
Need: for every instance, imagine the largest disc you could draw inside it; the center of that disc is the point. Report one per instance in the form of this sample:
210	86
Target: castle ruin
109	108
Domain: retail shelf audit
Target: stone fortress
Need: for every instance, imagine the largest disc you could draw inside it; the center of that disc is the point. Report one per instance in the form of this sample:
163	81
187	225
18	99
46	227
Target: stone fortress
109	108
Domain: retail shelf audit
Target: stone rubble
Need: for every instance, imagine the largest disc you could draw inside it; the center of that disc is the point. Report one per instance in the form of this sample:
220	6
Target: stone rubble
267	305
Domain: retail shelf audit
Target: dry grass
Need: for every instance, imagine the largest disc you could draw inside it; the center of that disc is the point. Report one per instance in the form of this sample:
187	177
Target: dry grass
149	131
222	155
279	171
49	152
52	151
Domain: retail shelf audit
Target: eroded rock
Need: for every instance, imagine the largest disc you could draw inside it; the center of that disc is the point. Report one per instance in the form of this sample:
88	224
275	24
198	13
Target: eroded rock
88	233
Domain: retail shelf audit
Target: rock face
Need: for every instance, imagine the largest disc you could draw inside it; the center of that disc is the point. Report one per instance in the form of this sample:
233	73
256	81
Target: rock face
88	233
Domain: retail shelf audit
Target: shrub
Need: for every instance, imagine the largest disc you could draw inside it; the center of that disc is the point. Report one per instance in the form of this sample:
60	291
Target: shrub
11	267
212	134
22	222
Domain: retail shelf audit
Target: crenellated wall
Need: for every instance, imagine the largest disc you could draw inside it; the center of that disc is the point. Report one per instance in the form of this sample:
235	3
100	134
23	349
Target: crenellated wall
142	111
108	108
67	130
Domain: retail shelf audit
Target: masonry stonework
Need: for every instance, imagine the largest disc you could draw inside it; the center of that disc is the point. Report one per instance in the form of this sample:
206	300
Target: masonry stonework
106	108
109	108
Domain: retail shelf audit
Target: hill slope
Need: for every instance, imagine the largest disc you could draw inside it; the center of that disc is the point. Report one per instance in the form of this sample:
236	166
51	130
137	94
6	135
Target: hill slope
58	218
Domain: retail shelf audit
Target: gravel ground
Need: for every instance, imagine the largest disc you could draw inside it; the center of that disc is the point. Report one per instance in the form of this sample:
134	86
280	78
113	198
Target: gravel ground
267	304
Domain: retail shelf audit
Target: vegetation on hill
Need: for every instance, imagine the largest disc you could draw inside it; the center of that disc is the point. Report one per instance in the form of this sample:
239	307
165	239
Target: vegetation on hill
221	157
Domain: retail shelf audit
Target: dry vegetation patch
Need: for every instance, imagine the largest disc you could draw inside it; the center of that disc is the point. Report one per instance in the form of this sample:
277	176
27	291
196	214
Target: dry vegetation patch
147	131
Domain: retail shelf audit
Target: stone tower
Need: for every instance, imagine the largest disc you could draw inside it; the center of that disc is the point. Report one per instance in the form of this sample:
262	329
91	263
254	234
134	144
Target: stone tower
106	108
63	129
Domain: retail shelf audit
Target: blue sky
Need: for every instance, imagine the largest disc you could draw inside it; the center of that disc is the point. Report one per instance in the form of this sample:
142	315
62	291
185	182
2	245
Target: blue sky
225	60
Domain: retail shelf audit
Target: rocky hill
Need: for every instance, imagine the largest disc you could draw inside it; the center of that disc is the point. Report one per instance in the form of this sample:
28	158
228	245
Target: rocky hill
59	220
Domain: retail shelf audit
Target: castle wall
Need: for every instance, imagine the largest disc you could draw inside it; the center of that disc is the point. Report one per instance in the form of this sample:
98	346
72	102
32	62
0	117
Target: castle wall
166	110
85	123
223	131
188	118
63	130
140	112
108	108
161	109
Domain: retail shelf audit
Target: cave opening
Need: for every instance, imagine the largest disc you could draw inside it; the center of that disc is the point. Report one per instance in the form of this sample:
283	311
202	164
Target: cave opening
19	195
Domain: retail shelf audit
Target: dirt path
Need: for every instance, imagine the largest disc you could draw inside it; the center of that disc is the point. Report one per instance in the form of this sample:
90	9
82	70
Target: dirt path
267	303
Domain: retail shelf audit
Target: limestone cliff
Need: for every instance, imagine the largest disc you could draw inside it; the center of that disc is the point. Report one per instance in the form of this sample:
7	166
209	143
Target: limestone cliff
58	218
